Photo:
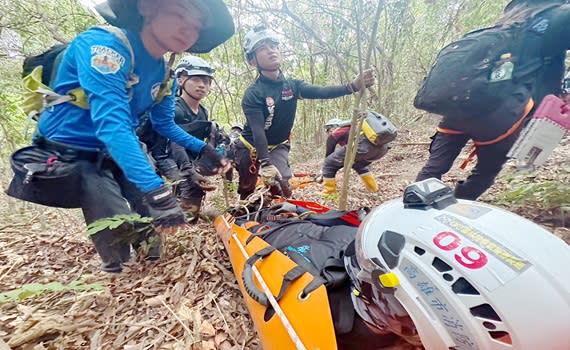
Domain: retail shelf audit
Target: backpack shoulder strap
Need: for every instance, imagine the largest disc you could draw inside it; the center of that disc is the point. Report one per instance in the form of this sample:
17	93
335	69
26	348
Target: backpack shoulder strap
168	81
532	64
133	79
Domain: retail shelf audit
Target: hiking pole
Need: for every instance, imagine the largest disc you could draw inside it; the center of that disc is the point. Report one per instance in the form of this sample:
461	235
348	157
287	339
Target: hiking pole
278	311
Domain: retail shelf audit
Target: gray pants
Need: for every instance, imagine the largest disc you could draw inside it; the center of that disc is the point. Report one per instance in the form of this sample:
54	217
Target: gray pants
106	192
366	153
278	156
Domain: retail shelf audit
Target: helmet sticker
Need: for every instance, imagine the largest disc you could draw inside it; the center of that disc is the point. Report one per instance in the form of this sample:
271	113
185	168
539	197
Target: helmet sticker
485	242
105	60
469	211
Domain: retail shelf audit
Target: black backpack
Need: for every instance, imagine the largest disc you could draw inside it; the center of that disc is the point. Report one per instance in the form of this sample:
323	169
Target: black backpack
49	59
473	75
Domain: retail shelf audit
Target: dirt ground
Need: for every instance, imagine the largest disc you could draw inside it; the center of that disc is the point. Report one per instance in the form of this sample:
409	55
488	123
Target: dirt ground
187	300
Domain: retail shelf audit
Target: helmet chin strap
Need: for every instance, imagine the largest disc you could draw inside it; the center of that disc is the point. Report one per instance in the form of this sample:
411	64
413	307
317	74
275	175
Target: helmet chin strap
186	91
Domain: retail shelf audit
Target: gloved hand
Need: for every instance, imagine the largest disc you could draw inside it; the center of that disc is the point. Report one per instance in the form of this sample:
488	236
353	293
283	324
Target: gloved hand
268	172
167	216
366	77
194	177
212	161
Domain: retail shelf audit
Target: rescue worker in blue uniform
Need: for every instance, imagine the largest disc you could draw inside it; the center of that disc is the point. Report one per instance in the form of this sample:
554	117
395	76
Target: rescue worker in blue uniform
270	105
99	62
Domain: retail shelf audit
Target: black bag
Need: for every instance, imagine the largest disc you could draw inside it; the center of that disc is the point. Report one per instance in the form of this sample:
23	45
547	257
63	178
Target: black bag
48	59
45	177
473	75
317	244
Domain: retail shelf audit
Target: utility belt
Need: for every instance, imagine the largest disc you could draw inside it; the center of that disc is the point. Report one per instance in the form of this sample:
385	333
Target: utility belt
253	152
51	173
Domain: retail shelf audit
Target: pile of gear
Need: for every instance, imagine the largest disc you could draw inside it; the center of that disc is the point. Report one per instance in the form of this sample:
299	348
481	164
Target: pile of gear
428	269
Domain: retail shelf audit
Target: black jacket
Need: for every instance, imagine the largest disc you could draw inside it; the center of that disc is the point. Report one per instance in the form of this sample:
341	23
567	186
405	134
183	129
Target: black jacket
278	99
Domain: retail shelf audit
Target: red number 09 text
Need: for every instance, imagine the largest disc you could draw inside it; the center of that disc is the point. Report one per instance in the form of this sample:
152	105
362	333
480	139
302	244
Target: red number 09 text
470	257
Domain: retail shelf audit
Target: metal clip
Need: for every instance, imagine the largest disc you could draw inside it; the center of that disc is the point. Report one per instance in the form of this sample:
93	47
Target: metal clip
32	169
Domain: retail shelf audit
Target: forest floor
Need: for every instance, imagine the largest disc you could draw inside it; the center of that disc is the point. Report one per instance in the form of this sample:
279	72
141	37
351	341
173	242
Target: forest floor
189	299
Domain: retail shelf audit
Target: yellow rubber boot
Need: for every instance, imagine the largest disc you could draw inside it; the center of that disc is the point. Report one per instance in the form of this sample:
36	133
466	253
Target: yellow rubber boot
369	182
329	186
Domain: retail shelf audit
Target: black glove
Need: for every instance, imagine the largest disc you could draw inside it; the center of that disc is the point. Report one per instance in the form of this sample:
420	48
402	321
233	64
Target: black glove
194	177
209	162
164	209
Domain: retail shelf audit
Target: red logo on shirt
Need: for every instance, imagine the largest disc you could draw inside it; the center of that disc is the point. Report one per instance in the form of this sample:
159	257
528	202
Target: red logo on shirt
287	94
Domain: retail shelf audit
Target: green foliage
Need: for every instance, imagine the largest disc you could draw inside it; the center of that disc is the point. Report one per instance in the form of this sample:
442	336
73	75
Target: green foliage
42	23
545	195
34	289
116	221
319	45
12	121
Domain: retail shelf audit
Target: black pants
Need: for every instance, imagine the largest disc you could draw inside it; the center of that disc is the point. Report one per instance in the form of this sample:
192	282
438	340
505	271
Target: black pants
278	156
445	148
107	192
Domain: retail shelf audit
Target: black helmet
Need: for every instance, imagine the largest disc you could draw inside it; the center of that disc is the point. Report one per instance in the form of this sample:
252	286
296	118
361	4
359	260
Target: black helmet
218	24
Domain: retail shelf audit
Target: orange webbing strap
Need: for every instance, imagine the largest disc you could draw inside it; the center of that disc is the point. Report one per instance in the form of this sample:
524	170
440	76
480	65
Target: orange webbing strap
512	129
470	157
449	131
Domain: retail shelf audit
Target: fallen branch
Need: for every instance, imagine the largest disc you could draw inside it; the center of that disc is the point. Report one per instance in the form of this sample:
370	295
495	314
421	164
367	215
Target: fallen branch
179	320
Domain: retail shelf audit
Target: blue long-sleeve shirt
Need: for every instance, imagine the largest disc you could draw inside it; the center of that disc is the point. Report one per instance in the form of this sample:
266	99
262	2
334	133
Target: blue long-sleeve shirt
99	62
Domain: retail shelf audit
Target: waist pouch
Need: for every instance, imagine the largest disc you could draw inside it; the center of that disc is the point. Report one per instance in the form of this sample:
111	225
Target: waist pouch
45	177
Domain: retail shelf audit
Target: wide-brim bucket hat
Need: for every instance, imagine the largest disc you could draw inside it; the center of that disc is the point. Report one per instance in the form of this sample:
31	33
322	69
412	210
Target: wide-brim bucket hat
531	3
217	26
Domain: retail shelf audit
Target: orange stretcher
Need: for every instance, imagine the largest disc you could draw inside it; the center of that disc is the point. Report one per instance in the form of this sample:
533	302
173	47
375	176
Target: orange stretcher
296	321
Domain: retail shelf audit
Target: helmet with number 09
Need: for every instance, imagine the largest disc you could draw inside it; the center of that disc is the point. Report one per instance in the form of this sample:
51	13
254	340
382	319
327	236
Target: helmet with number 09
459	274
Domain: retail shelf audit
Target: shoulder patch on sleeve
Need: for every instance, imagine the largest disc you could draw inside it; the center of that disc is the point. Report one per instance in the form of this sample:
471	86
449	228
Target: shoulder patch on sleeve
105	60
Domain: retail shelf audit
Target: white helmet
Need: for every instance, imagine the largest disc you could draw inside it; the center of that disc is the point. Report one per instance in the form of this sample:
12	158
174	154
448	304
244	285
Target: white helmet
192	65
255	37
237	127
469	275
